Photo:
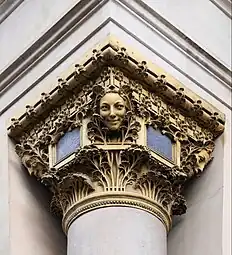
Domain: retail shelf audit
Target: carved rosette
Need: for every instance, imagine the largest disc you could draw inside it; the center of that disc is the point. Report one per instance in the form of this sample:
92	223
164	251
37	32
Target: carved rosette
113	166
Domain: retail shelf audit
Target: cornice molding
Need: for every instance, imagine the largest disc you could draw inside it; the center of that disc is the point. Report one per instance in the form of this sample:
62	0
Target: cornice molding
110	52
225	6
7	7
48	41
183	42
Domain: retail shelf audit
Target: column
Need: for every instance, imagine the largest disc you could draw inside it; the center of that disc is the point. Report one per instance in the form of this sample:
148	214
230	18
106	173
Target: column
117	230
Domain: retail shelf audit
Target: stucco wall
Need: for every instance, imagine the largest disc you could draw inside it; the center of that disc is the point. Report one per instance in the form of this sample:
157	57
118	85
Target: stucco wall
26	224
199	231
197	19
33	229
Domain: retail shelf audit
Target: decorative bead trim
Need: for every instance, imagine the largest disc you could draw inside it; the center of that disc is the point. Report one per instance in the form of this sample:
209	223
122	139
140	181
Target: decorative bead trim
115	199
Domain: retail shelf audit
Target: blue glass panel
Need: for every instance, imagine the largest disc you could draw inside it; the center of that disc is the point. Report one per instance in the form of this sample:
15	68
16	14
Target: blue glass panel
67	144
159	142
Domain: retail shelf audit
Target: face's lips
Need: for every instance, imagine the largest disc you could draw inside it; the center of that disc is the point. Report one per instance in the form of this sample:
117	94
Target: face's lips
114	122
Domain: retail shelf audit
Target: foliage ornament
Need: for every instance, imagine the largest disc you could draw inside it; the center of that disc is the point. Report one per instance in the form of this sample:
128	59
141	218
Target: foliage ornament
111	97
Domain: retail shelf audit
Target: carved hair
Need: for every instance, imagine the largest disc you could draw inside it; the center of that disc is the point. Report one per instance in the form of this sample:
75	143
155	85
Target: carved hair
99	93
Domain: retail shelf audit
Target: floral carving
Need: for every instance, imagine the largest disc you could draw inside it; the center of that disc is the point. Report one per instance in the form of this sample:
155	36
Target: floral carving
36	164
110	169
115	54
15	123
194	157
79	71
98	133
62	86
70	190
197	108
97	57
160	84
122	55
133	169
142	69
30	111
112	106
179	98
108	123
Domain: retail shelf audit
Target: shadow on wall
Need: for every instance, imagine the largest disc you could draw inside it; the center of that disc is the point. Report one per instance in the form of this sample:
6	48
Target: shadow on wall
203	218
188	193
30	215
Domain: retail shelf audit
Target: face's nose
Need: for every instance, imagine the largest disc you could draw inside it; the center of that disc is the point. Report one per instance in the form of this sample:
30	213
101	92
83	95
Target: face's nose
112	113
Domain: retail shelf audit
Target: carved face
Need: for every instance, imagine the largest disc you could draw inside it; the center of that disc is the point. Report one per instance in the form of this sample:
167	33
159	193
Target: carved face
113	110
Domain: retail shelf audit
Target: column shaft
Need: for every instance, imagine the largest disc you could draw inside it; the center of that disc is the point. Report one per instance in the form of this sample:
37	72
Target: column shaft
117	231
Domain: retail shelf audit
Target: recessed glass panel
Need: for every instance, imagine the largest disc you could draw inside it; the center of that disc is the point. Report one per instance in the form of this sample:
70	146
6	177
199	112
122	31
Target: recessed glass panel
67	144
159	142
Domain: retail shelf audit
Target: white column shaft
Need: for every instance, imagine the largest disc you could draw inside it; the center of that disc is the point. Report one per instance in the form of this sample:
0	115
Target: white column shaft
117	231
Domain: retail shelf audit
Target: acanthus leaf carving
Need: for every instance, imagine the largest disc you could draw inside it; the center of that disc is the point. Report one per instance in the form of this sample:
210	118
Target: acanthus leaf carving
114	110
34	162
194	157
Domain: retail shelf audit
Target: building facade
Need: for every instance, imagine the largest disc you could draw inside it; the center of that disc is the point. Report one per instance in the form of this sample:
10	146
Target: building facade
187	44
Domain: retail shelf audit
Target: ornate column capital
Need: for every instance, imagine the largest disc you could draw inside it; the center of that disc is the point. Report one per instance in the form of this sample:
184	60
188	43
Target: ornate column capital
117	131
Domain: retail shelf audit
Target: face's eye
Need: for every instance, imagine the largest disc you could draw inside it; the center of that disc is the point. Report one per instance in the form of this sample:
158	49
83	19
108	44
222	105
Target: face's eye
119	106
104	107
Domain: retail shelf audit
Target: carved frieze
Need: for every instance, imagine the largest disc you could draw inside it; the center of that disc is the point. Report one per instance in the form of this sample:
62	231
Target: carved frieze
112	98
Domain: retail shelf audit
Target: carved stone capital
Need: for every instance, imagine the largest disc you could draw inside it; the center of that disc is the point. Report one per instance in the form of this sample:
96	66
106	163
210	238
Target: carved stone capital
112	98
123	177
